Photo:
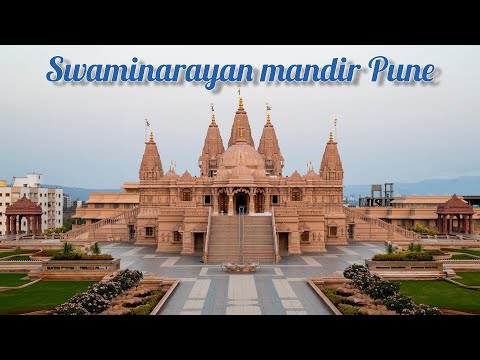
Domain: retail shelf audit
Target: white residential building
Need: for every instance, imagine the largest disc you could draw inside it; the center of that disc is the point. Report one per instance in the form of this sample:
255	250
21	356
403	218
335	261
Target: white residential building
67	201
49	199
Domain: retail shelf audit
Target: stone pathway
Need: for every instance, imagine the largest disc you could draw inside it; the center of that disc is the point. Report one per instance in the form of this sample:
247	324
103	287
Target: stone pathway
276	289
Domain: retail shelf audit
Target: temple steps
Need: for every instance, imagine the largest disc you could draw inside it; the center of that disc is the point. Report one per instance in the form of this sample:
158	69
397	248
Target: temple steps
225	246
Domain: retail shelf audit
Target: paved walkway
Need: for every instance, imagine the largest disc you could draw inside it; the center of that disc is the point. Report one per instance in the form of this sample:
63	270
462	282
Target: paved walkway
276	289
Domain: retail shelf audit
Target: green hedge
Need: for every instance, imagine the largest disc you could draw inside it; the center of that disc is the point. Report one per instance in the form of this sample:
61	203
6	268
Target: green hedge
403	256
76	256
346	309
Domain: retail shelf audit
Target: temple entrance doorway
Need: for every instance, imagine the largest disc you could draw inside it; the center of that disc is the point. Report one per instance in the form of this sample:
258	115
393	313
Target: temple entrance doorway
259	201
283	243
240	203
131	232
223	203
198	244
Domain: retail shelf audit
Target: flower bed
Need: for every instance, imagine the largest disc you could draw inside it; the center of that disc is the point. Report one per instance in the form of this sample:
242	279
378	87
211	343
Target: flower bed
98	296
386	291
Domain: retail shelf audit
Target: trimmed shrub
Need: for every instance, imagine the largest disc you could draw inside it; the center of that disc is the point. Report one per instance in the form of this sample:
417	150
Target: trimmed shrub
97	257
404	256
149	305
96	249
333	297
399	302
346	309
108	289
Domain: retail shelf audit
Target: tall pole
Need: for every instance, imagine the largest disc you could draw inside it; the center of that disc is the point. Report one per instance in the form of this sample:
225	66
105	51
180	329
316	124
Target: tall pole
335	126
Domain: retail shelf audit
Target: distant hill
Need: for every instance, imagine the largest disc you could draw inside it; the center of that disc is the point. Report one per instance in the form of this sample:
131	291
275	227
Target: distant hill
80	193
464	185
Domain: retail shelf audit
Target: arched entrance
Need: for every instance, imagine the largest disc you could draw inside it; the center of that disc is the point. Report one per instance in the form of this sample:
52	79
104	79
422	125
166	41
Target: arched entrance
241	202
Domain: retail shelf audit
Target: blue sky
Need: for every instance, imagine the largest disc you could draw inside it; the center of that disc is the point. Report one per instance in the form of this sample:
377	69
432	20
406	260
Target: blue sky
93	135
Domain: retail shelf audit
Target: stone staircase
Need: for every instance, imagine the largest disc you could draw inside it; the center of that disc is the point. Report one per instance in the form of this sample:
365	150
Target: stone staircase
225	239
85	232
373	229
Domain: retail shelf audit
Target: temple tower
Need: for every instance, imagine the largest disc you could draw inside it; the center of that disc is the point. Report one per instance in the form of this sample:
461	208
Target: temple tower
241	121
270	151
151	166
213	148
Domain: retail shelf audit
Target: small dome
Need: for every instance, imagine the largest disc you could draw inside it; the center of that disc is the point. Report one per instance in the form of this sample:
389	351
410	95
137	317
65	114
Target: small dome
223	174
242	153
171	174
259	174
312	175
241	172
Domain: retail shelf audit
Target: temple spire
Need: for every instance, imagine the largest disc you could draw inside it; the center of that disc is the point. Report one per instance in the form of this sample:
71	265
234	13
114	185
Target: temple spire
208	161
269	148
151	166
240	120
331	168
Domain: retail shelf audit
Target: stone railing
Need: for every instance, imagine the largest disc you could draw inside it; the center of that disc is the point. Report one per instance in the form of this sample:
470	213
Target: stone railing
355	214
78	269
207	236
404	265
95	226
275	242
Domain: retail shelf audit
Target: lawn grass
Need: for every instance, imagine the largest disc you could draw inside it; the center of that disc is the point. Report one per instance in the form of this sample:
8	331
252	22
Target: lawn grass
51	252
466	251
43	295
469	278
442	294
15	252
12	279
462	257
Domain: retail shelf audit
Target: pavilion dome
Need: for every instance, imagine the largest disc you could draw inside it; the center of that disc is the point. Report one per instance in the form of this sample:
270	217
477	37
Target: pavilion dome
241	172
24	206
242	153
312	175
171	174
259	174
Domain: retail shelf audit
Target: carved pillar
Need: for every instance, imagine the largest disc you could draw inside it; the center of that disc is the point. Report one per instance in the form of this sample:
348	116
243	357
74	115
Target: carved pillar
215	201
19	224
294	243
34	225
13	224
29	231
444	224
7	225
267	200
470	224
251	201
187	243
39	224
230	202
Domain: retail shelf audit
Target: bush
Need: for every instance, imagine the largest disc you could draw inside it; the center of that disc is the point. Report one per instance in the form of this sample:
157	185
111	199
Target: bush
346	309
67	248
424	230
389	248
96	249
108	289
70	309
149	305
383	289
127	278
333	297
399	302
93	303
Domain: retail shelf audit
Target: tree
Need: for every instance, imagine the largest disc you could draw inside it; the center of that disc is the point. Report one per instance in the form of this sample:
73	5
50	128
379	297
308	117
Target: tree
96	249
67	248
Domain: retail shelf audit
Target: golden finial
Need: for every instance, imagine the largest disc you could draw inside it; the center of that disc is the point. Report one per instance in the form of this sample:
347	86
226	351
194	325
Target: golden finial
331	136
240	103
151	135
213	118
268	119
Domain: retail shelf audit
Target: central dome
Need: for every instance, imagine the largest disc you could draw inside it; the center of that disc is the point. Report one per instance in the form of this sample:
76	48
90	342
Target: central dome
241	153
